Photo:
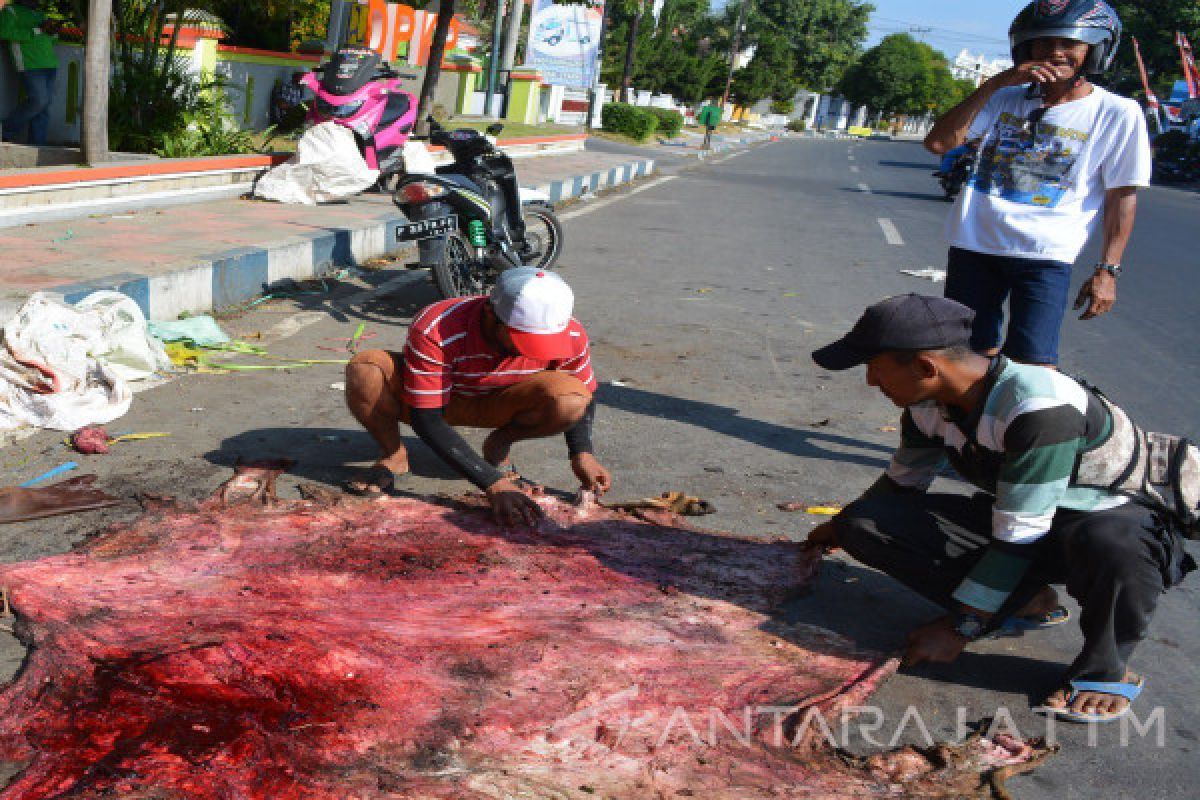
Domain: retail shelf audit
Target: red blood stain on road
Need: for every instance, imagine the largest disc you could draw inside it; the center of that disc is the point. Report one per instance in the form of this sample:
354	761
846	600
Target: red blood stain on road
401	648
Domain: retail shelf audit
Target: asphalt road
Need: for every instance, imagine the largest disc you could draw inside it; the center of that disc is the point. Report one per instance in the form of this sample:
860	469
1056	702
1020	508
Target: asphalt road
704	294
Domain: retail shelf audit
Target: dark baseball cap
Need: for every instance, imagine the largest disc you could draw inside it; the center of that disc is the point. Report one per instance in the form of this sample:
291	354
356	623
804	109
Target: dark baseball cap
903	322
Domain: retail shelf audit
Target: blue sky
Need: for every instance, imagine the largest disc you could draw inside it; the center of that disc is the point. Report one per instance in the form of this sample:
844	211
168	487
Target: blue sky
980	25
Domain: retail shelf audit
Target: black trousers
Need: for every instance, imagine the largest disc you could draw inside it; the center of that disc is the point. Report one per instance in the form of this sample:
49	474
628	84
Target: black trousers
1115	563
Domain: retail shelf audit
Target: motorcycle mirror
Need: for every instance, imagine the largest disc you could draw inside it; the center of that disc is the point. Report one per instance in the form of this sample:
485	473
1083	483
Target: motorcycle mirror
495	128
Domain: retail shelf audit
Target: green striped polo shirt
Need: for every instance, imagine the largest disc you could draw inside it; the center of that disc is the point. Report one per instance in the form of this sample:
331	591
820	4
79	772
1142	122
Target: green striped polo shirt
1022	447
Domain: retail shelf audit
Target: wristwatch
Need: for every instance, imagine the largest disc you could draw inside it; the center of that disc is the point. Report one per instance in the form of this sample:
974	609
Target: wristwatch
1111	269
969	625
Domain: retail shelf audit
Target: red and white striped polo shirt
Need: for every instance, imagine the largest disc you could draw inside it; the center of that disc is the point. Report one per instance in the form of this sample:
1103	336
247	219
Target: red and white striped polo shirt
446	355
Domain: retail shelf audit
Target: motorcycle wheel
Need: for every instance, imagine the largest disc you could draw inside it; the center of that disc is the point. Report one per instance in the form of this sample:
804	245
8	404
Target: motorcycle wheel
543	236
458	274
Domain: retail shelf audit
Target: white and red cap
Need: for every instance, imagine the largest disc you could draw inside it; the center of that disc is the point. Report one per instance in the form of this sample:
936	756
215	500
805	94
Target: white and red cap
536	307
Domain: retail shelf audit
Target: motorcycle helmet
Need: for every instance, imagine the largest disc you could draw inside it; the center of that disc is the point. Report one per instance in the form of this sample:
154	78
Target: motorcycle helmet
1091	21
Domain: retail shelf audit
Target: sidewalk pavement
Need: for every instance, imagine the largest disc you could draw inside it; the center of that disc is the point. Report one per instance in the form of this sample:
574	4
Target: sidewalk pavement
217	254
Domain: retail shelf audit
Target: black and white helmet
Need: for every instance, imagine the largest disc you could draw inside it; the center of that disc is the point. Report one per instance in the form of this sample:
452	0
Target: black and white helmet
1091	21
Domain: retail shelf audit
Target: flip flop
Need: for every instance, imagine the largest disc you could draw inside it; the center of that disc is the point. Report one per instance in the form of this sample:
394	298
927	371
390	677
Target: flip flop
1129	691
374	481
1017	626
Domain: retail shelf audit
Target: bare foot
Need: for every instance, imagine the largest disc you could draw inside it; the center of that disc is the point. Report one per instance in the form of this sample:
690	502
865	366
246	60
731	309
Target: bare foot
1091	702
496	449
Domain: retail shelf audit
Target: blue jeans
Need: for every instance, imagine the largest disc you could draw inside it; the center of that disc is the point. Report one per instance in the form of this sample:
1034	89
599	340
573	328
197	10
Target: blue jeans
35	111
1036	291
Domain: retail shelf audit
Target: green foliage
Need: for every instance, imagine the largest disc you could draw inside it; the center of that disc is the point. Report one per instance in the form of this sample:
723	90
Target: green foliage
686	54
151	89
783	106
670	121
769	73
797	125
270	24
636	123
210	130
1153	23
824	35
903	76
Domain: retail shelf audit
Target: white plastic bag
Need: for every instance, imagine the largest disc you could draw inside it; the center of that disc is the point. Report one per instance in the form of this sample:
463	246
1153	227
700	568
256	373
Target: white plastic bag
64	367
327	166
417	158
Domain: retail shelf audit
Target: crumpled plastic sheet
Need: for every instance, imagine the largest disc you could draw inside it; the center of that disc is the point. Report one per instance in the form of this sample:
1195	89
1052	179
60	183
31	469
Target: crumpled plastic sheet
327	166
66	367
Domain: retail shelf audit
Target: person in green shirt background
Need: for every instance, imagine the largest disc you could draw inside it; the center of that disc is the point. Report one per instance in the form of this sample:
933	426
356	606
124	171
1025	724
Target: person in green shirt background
22	25
710	118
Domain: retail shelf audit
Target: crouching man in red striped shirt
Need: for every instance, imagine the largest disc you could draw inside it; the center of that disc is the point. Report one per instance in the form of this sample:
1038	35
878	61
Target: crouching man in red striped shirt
515	362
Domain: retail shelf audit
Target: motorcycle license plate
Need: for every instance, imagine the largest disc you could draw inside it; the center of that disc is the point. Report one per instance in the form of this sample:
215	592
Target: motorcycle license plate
426	228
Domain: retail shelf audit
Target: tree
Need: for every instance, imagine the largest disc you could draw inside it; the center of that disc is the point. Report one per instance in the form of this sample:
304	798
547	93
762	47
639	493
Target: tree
637	10
95	87
895	76
769	73
1154	23
433	68
824	35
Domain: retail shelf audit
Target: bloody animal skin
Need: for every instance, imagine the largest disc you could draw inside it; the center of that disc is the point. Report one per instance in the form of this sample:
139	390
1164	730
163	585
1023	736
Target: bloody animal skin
403	649
65	497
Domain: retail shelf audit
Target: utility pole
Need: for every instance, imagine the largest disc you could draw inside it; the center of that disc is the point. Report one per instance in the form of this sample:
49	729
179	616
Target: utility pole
733	54
493	58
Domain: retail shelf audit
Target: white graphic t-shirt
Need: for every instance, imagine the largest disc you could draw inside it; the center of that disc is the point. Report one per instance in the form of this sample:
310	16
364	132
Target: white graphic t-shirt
1039	184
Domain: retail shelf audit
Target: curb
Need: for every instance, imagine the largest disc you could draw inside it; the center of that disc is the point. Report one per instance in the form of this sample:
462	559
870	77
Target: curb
235	276
578	185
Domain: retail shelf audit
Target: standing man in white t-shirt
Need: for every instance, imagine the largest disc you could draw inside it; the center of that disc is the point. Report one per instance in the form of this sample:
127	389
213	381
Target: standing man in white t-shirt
1055	152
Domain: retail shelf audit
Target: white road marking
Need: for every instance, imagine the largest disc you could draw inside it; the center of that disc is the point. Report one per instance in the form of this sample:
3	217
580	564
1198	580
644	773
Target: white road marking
854	169
732	155
851	156
862	187
590	207
889	231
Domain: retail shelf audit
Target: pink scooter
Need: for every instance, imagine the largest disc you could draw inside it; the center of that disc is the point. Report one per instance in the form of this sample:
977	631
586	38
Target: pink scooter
357	90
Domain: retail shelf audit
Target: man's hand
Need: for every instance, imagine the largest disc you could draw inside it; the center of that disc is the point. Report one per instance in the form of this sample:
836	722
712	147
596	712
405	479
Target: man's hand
1040	72
1099	292
936	642
513	504
822	538
592	475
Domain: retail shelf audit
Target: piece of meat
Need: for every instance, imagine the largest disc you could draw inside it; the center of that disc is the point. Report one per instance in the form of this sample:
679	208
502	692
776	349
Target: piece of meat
92	440
407	649
65	497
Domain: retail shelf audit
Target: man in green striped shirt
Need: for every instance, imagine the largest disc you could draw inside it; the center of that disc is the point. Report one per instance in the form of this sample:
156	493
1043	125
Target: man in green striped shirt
1016	432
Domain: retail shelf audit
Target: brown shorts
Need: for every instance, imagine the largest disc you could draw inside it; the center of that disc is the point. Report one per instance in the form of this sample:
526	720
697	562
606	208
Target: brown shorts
493	410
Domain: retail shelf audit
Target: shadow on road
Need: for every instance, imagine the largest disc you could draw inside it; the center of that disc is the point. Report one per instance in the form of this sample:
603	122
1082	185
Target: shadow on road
907	195
729	422
910	164
322	455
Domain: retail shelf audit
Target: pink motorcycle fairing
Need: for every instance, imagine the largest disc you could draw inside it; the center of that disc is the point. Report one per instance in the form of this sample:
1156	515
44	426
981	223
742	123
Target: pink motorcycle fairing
382	113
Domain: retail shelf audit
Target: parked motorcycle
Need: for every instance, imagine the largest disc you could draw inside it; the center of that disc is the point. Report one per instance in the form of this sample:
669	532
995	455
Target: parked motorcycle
471	219
358	90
